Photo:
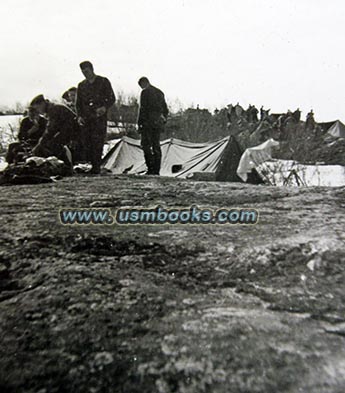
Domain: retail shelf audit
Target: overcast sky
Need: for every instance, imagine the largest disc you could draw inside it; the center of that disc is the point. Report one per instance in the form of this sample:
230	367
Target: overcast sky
282	54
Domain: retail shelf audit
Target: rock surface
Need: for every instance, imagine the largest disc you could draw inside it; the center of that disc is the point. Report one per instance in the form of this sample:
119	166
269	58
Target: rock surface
172	308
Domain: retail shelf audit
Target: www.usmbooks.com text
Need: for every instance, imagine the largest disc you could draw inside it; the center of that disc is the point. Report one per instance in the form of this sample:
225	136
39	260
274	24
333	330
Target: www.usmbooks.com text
158	215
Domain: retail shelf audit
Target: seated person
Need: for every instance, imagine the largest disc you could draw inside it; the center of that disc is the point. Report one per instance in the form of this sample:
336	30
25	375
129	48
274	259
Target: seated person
61	130
31	129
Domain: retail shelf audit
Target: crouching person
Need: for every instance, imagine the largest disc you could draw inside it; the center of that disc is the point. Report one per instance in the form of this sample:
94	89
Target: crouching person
31	129
61	130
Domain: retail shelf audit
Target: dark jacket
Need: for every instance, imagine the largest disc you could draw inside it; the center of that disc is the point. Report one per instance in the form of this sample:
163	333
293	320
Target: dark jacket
152	106
61	128
91	96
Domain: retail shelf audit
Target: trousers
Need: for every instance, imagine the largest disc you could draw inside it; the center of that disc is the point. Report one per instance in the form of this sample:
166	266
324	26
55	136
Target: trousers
150	142
94	135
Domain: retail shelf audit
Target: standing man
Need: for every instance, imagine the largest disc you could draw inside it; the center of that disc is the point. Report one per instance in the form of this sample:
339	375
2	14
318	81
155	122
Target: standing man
94	97
310	121
152	118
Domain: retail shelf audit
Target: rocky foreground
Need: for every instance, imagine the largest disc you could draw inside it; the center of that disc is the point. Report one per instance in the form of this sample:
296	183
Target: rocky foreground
172	308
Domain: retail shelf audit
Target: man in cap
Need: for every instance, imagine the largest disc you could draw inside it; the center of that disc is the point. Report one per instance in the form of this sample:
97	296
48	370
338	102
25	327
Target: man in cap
153	114
94	97
61	129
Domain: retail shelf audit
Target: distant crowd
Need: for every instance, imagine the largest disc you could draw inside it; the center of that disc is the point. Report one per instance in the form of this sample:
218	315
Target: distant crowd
236	114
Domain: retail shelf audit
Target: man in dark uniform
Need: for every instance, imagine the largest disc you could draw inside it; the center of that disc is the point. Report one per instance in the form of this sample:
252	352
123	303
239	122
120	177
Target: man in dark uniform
61	129
31	129
94	97
152	118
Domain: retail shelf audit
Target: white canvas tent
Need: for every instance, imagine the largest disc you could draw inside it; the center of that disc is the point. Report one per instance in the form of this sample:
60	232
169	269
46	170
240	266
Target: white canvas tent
337	130
126	156
254	156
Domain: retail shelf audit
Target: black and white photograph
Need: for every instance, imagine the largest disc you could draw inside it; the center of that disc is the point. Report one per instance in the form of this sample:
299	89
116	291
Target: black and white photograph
172	195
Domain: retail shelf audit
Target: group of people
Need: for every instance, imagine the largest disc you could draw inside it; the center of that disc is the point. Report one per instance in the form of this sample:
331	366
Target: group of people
236	115
78	129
